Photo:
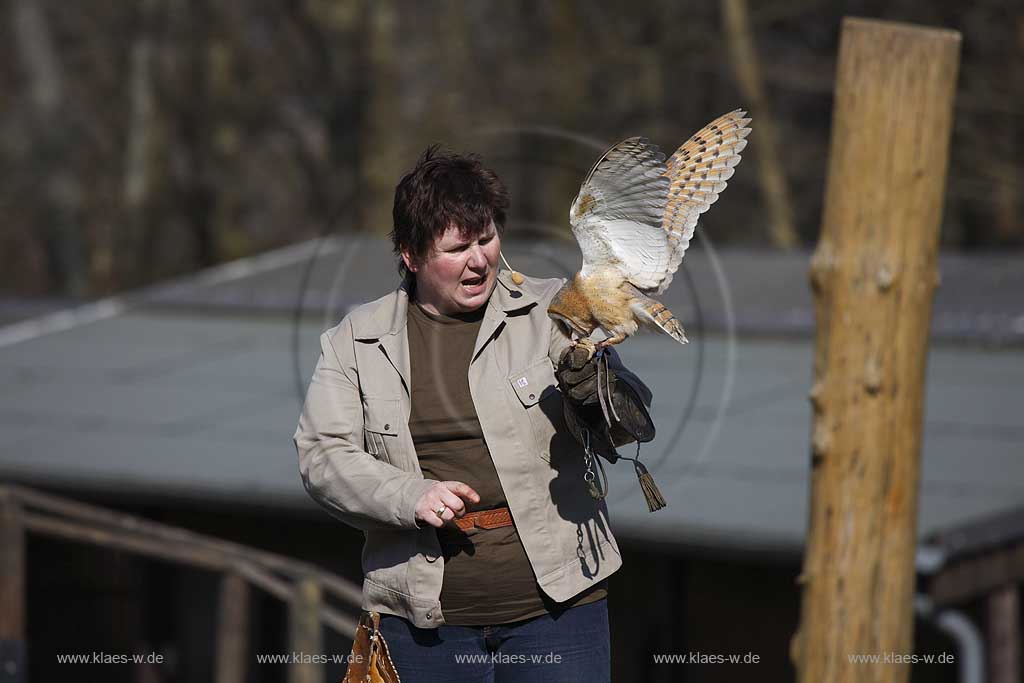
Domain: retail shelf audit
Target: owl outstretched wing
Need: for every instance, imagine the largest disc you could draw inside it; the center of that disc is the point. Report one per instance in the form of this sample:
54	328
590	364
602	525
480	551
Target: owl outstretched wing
617	215
635	213
698	172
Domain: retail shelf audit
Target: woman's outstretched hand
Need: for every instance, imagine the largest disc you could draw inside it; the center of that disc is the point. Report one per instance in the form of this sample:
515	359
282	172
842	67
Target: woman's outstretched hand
450	495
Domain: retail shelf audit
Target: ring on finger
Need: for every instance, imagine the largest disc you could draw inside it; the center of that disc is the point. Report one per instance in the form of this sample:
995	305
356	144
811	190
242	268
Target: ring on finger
440	511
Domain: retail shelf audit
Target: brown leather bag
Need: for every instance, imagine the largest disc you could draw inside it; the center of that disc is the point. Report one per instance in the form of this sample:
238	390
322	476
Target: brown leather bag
370	661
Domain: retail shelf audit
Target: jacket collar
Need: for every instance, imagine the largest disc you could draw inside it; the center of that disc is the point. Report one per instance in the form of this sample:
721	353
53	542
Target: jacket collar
389	317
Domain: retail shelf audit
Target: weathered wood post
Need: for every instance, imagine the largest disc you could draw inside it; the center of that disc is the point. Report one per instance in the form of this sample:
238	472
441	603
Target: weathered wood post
305	633
13	657
232	629
1004	634
873	275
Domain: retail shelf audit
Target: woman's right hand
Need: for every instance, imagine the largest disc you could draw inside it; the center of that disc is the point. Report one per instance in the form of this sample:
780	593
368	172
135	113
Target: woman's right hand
451	495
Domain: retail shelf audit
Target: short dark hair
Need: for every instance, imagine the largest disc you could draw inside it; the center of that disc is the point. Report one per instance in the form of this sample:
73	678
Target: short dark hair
445	189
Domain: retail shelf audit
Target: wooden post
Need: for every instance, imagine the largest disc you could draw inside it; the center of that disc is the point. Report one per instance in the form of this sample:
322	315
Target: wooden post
1004	634
305	633
873	276
13	661
232	629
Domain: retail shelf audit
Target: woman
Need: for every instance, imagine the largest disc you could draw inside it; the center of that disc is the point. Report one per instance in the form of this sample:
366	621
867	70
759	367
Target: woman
434	423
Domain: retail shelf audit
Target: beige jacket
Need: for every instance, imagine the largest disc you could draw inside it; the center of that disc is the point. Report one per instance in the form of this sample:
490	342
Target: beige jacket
356	455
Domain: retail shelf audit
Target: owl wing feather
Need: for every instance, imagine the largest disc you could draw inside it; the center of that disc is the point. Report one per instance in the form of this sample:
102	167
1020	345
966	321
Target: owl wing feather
617	215
697	174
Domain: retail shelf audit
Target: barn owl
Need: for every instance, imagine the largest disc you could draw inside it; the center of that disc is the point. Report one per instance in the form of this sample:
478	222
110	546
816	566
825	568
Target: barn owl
633	218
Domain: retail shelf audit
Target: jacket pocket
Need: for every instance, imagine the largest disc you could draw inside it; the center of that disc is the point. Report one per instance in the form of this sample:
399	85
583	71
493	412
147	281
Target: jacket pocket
381	418
536	390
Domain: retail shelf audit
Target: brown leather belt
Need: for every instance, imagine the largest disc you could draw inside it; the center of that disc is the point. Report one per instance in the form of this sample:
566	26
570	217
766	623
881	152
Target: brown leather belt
484	519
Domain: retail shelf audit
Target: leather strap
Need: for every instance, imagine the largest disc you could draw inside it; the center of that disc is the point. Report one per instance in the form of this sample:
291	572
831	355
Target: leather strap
485	519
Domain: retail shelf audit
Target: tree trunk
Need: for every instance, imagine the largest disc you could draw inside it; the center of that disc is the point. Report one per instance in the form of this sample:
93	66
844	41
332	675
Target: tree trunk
137	181
769	163
52	137
382	155
873	276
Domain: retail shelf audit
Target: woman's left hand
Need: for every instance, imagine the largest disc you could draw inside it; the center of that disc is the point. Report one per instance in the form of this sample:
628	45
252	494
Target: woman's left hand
442	502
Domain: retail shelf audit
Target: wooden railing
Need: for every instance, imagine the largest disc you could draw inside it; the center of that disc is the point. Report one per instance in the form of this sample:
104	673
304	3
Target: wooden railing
301	585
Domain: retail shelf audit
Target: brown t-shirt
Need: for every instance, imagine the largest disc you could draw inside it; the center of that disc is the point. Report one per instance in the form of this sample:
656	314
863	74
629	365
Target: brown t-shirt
487	575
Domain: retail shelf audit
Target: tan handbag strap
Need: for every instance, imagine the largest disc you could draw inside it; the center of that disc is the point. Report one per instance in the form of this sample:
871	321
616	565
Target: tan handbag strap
374	619
383	666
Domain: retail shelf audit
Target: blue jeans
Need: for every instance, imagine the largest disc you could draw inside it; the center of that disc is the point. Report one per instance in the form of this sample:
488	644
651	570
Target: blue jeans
572	646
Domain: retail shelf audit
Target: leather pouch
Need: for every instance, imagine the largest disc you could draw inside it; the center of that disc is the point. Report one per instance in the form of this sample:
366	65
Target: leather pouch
370	661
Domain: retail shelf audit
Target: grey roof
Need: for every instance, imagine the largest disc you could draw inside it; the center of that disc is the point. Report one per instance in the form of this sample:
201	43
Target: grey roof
191	390
980	298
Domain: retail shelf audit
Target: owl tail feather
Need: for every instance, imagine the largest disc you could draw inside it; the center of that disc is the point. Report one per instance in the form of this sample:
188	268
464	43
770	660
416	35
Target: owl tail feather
654	314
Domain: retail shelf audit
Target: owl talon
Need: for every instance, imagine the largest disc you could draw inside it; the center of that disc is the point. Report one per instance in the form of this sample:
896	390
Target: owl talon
589	347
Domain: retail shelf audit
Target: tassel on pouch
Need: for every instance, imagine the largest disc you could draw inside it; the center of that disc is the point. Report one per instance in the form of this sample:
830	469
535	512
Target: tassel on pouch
655	501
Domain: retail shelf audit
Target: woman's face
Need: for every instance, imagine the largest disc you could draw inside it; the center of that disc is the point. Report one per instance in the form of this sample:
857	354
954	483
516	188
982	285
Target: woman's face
458	274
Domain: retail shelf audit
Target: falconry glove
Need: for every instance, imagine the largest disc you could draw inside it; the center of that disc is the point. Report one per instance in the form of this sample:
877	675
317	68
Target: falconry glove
603	411
588	402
